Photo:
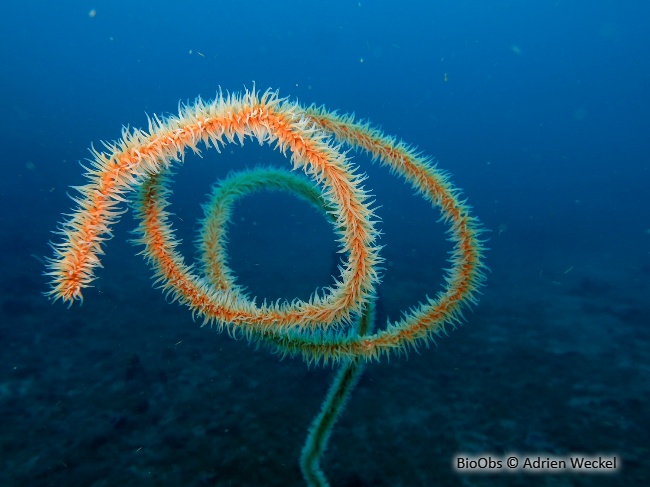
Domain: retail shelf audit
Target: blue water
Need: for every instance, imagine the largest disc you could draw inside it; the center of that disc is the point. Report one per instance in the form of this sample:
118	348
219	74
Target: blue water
538	110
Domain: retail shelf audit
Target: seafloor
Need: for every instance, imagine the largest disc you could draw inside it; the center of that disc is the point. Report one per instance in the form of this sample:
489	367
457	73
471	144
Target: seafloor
127	390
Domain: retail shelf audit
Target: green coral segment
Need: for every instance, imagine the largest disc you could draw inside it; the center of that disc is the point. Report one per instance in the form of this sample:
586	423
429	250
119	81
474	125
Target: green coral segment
334	403
212	241
213	236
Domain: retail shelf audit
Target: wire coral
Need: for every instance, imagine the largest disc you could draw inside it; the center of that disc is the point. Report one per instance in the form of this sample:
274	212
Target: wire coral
135	169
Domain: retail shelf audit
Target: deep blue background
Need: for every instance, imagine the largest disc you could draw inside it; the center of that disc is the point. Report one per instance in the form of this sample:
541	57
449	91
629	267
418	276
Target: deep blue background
538	109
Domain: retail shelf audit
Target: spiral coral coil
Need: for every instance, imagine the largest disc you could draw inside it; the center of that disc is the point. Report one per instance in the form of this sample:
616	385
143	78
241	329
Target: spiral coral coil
143	161
309	328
